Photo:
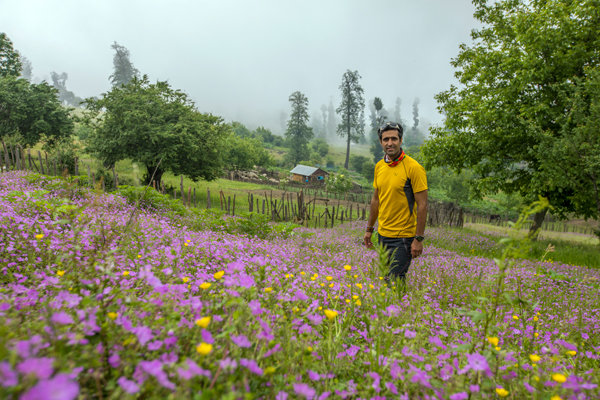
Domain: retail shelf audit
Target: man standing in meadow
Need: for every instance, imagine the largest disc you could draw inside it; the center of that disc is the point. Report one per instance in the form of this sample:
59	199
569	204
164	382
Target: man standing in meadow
400	183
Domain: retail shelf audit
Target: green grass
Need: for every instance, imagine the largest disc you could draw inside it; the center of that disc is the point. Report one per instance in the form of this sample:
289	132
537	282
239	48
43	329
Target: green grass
486	243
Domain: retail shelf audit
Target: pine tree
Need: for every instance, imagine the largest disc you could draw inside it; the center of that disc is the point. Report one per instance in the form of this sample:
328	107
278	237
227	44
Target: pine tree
351	111
124	71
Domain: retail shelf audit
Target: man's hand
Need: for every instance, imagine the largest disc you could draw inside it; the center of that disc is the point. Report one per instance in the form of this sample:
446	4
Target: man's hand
416	248
367	239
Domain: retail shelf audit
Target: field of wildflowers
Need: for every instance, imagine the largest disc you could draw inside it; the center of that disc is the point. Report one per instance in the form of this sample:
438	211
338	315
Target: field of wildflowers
100	300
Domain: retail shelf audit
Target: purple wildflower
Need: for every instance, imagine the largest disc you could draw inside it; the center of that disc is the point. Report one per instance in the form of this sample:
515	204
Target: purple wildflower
313	376
41	367
8	377
128	386
61	387
241	341
302	389
459	396
251	365
61	318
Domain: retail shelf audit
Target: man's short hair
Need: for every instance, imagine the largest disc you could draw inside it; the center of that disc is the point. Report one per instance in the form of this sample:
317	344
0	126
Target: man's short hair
389	126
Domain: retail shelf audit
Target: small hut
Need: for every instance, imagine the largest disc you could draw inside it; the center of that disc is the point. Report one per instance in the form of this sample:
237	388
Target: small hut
306	174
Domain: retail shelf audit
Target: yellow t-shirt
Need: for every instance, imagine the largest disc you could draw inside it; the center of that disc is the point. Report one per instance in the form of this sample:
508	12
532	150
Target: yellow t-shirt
397	217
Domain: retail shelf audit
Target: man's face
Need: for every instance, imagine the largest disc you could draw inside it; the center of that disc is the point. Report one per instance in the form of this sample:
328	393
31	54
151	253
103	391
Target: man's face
391	142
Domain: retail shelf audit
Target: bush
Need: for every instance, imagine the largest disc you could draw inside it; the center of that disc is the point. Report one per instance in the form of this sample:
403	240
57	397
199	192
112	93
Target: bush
339	183
152	199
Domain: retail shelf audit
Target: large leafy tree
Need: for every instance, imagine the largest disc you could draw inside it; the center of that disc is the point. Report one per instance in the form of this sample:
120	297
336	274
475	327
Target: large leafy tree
514	105
157	126
32	112
10	61
298	132
351	111
124	71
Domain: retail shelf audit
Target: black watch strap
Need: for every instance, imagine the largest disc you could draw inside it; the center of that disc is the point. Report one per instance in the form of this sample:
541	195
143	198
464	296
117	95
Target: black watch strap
419	238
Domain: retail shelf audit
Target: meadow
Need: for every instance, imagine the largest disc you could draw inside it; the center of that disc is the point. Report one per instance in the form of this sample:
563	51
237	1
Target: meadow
103	299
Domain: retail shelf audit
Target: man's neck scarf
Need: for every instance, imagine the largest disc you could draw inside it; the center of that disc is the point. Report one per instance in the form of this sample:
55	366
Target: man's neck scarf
395	161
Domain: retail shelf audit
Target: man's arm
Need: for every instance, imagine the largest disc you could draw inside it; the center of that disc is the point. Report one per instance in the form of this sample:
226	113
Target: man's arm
421	200
373	214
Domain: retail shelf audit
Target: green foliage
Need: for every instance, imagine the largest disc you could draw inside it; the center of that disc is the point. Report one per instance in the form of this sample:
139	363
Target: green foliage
320	147
244	153
149	198
298	132
515	106
124	71
10	61
32	112
64	154
340	182
158	127
368	170
351	111
357	162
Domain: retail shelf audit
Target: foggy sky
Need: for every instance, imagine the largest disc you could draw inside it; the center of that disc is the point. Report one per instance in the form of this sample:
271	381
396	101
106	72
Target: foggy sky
241	59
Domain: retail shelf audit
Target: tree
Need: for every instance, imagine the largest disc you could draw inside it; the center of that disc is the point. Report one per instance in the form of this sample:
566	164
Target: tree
331	120
243	154
351	111
59	81
516	99
10	61
32	112
397	111
378	117
27	71
320	147
298	132
414	136
124	71
158	127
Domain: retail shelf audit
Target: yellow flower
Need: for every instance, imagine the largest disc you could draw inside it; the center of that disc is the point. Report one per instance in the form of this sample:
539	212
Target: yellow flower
204	348
328	278
330	314
185	279
355	297
347	267
358	285
515	317
322	284
358	302
39	236
536	319
534	358
302	273
269	370
60	272
203	322
320	308
560	378
501	392
356	276
348	301
371	286
112	315
268	289
571	352
185	244
309	349
125	273
331	285
219	275
556	397
536	334
204	285
493	341
536	378
139	256
497	348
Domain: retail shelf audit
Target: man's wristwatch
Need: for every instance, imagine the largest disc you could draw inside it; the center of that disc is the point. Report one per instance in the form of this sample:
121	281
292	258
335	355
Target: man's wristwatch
419	238
370	228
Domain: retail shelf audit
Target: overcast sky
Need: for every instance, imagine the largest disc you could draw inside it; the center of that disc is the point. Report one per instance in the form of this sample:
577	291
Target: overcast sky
241	59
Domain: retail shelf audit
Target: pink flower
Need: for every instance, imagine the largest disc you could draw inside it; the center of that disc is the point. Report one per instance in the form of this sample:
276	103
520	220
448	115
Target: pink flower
61	387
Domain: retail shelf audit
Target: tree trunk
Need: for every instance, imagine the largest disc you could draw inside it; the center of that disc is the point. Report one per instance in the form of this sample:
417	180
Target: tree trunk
158	173
538	219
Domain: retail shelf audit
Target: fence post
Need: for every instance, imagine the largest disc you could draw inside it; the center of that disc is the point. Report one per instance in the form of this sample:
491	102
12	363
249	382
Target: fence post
207	198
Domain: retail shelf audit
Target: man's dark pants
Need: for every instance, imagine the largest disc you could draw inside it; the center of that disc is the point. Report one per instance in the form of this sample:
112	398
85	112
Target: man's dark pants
400	256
